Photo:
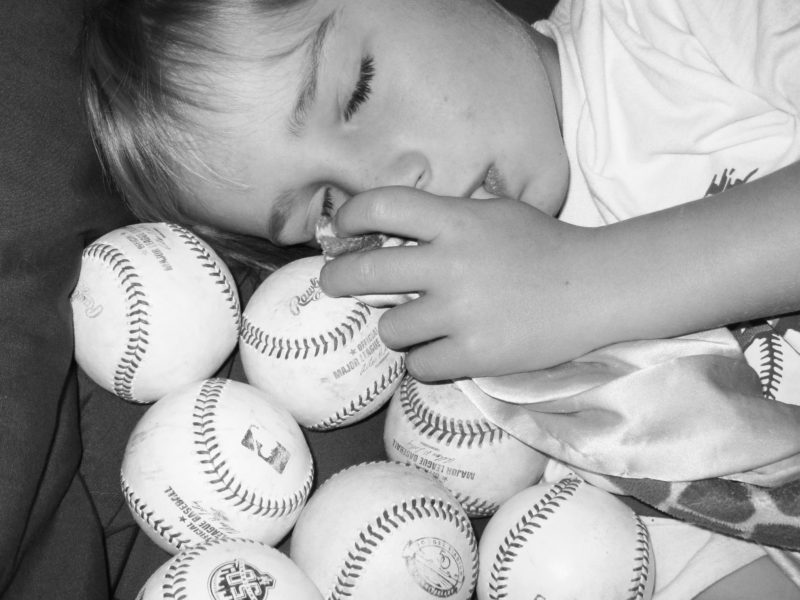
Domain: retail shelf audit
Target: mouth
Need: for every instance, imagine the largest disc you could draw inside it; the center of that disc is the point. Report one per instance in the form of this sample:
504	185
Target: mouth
494	183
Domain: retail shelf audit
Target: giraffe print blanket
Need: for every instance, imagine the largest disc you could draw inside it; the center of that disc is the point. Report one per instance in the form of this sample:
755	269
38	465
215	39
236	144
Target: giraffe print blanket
769	515
724	426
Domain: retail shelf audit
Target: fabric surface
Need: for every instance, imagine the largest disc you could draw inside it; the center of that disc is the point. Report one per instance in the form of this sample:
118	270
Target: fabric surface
694	438
670	102
51	202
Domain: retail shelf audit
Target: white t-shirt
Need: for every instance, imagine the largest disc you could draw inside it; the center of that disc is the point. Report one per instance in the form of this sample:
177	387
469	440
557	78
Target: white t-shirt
667	101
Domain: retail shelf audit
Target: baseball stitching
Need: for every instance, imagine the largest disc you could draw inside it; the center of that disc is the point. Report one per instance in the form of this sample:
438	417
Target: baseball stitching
176	577
141	509
220	475
534	519
390	520
212	265
136	314
641	561
307	347
770	370
450	431
395	370
523	529
476	507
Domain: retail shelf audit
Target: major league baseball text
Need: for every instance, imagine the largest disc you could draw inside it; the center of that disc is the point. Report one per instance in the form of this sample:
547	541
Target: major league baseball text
437	428
320	357
216	459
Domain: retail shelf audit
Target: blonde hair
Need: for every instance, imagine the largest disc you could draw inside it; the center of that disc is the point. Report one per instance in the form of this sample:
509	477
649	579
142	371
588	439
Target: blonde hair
144	68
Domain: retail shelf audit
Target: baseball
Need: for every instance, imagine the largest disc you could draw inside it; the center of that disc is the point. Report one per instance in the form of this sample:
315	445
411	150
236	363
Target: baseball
773	357
565	540
154	308
234	569
436	428
386	530
320	357
216	459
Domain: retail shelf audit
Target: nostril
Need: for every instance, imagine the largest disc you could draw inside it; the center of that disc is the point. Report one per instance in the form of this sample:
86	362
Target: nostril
423	179
408	169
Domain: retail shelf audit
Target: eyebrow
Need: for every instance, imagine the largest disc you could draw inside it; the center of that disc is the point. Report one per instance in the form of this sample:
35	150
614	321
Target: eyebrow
308	87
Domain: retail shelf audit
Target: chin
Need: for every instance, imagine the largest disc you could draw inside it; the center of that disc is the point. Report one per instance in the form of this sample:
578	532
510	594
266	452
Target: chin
549	200
548	193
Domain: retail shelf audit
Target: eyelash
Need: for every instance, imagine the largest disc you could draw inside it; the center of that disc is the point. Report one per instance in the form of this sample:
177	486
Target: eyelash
363	88
327	203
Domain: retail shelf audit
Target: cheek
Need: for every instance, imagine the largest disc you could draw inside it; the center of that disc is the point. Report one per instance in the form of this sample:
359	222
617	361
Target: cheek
548	189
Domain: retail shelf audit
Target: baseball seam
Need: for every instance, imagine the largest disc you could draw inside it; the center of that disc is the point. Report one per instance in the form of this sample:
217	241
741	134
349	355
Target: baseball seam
140	508
305	347
523	529
396	369
447	430
389	521
641	561
136	313
475	507
176	577
211	264
220	475
770	370
179	571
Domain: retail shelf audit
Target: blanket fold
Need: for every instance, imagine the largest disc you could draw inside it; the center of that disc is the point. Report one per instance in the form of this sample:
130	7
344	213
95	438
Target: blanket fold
693	426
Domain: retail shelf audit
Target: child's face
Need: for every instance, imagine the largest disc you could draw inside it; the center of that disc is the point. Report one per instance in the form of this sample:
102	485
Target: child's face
450	96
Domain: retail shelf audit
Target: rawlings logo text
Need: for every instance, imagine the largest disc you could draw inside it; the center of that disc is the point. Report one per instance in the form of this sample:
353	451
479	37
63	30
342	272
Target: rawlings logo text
314	292
91	308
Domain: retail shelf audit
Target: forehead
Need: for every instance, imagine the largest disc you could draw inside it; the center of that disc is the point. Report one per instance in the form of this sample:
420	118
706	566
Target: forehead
254	89
258	76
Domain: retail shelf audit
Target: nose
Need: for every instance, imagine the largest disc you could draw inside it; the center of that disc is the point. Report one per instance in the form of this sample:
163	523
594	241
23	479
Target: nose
409	168
378	165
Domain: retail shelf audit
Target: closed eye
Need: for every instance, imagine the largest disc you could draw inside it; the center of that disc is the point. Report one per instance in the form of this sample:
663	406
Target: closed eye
363	88
327	203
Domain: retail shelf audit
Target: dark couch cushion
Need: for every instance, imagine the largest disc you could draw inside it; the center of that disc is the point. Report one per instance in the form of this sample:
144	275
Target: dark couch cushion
51	201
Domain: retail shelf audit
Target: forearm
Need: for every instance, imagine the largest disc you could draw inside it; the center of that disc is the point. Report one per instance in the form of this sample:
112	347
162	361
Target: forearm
720	260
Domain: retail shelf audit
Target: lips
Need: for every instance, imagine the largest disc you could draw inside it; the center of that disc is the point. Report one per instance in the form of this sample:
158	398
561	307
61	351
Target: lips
494	183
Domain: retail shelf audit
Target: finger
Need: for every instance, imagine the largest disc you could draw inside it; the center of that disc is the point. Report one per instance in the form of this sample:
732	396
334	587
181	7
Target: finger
438	360
394	270
410	324
399	211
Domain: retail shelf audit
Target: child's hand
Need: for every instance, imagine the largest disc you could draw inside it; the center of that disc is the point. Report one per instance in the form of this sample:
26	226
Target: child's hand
504	286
